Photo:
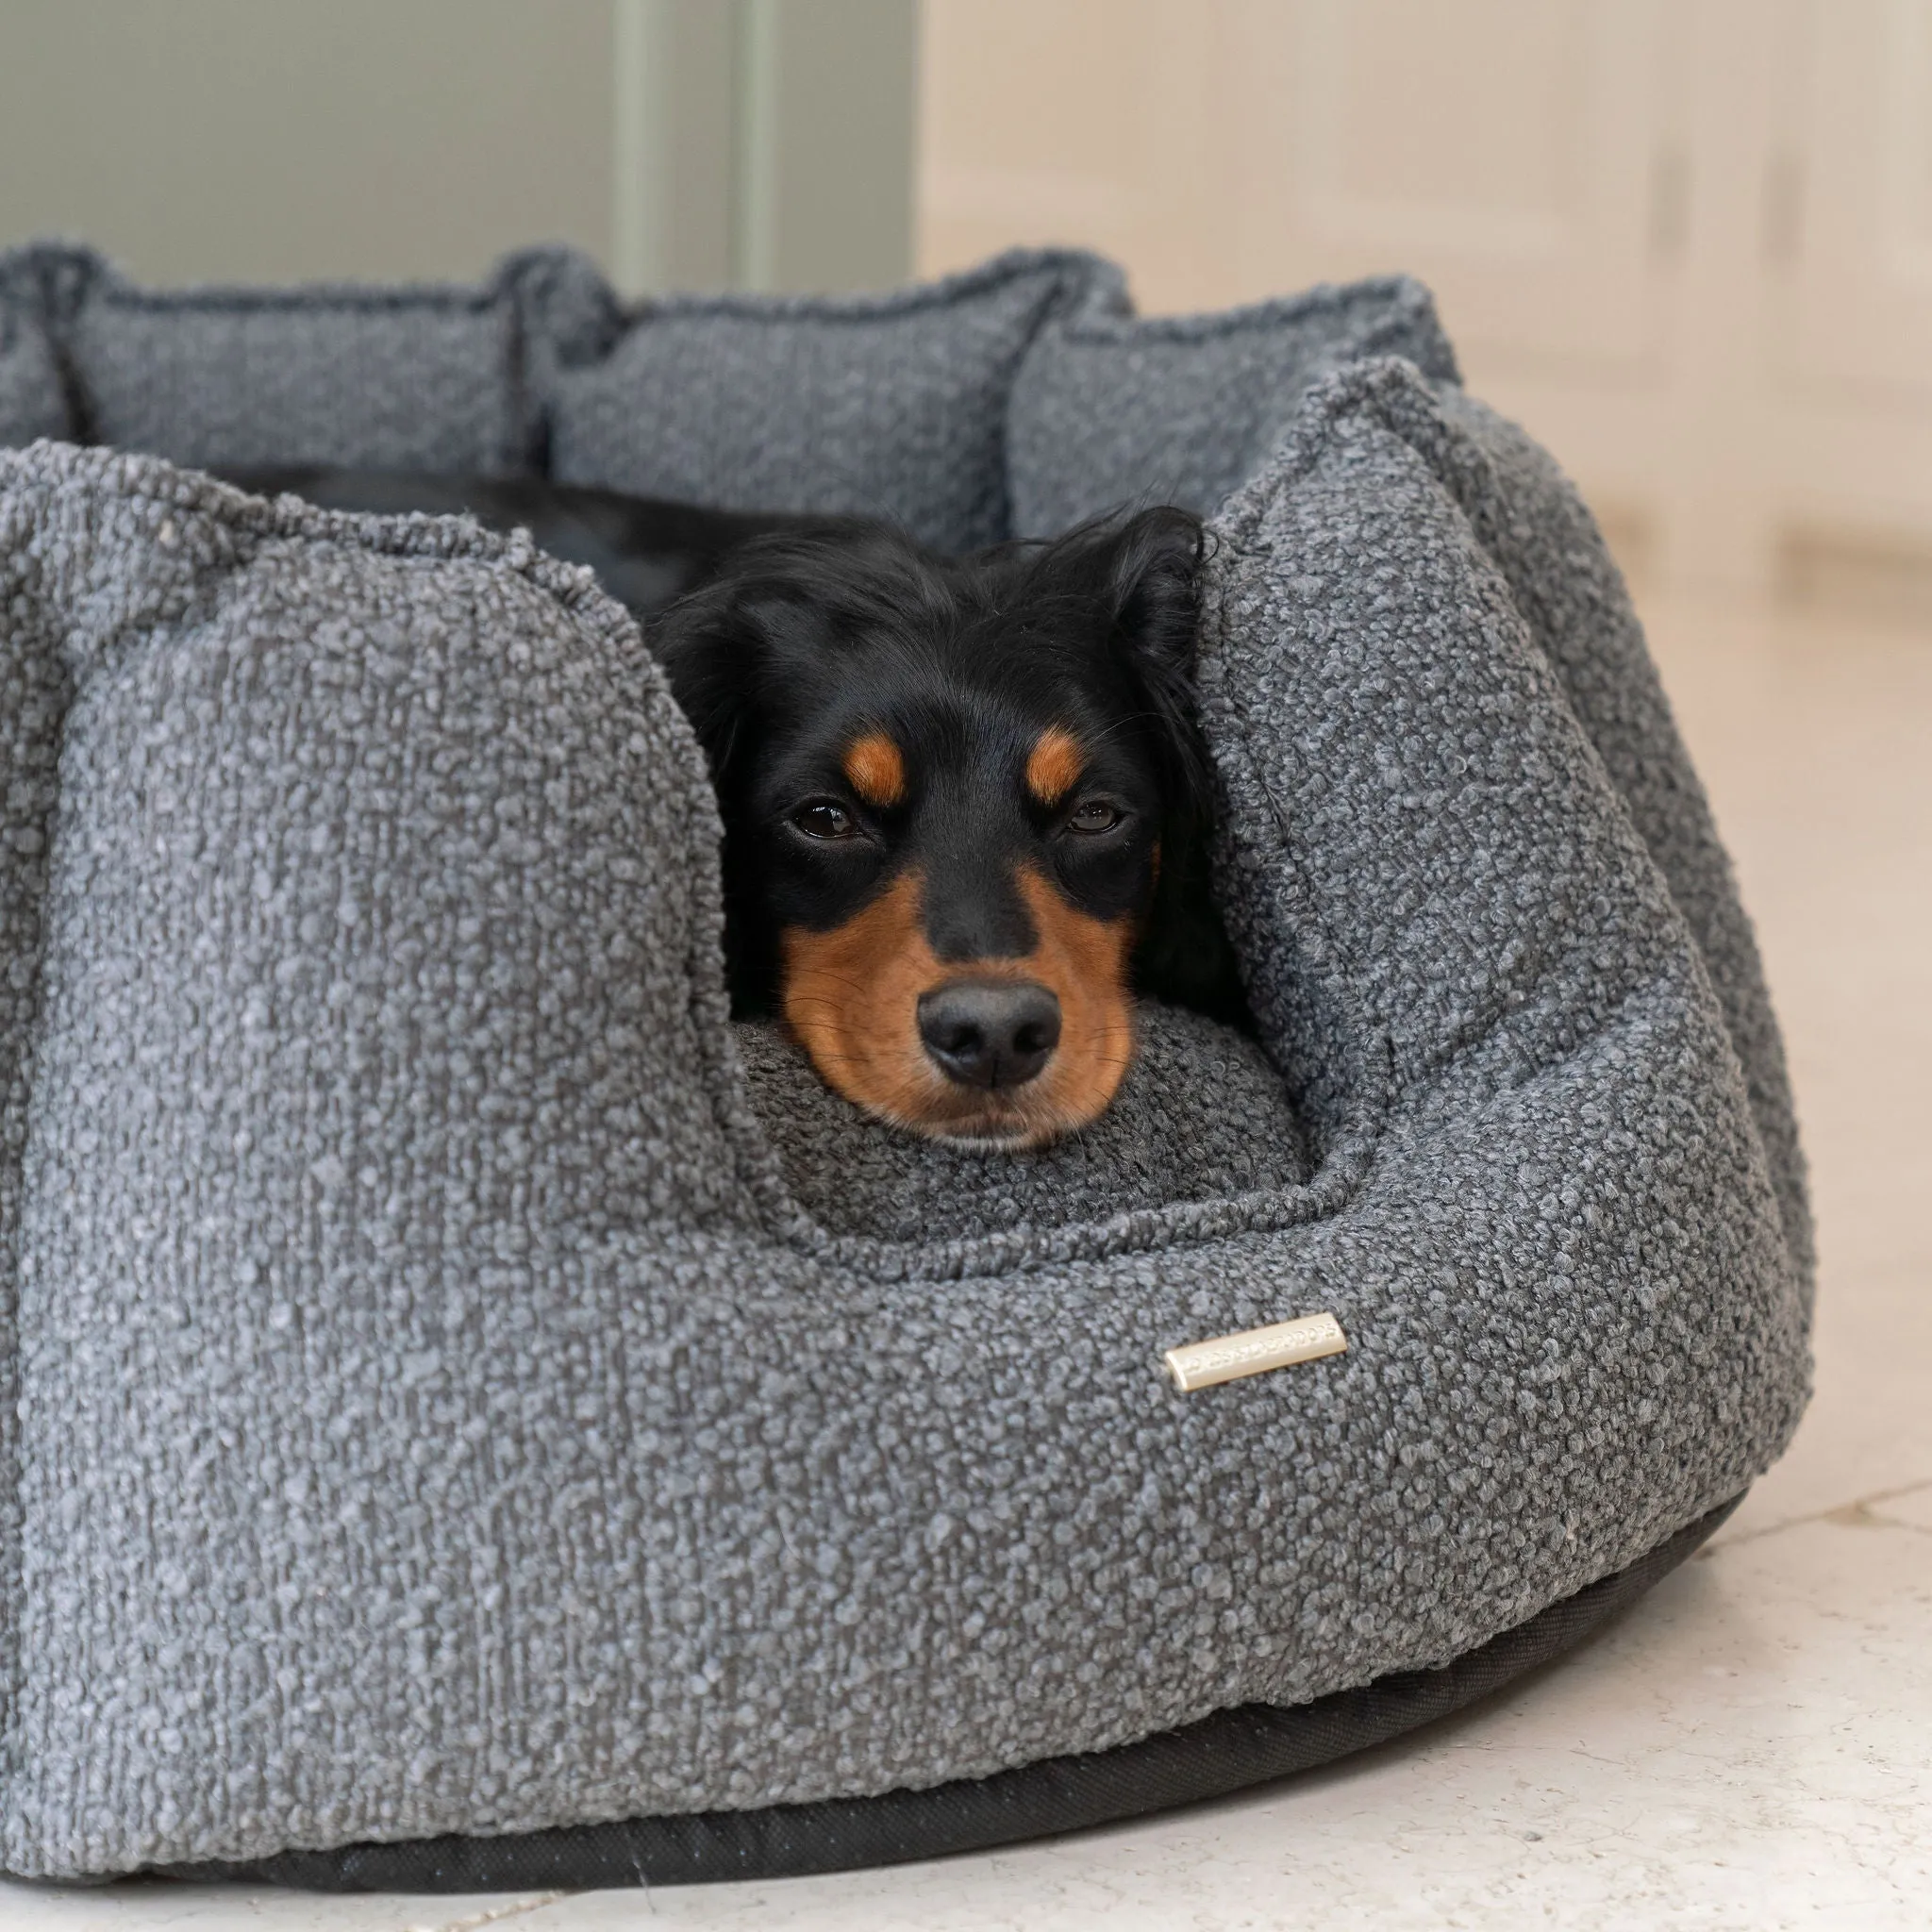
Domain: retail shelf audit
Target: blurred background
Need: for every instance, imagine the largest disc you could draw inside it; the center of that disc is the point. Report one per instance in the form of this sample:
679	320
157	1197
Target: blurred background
1688	243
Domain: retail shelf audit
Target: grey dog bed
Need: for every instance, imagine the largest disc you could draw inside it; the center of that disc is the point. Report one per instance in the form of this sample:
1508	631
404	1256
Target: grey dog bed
471	1416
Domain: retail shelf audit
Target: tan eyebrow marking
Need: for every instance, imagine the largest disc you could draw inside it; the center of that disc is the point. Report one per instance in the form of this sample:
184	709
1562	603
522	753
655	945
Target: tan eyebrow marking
877	768
1053	765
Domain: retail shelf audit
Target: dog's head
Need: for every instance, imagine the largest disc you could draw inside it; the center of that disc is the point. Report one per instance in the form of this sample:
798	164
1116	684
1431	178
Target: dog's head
954	793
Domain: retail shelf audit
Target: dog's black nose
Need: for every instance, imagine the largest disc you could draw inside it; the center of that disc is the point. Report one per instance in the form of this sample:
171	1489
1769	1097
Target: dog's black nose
990	1032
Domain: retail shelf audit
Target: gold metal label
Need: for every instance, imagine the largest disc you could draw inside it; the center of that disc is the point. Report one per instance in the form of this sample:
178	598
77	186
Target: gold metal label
1227	1357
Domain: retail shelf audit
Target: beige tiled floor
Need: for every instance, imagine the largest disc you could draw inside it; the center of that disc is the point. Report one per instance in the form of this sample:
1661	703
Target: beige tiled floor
1753	1746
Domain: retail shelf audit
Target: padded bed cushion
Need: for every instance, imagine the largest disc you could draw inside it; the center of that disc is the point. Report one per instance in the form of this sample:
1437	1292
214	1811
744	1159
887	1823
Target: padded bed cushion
459	1386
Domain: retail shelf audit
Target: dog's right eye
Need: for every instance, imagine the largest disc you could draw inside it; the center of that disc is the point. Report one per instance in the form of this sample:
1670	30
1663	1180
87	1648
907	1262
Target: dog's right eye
822	817
1094	815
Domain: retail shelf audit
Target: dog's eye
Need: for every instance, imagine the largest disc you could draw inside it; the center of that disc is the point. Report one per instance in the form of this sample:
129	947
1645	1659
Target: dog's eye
1094	815
821	818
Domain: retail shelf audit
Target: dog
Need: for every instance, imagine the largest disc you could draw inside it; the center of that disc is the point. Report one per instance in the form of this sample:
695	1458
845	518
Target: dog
647	552
966	803
966	810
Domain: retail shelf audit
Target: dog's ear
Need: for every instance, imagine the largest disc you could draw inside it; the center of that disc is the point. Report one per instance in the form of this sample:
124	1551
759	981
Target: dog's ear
1152	598
721	648
701	648
742	644
1155	561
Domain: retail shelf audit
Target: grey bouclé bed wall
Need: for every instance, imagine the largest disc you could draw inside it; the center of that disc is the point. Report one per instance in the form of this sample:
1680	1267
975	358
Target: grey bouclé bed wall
437	1400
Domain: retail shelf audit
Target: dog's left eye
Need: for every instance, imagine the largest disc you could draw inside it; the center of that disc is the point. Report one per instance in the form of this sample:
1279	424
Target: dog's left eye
1094	815
822	819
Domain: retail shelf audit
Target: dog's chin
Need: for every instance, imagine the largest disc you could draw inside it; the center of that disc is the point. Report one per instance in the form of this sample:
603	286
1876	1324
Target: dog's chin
1021	1125
989	1136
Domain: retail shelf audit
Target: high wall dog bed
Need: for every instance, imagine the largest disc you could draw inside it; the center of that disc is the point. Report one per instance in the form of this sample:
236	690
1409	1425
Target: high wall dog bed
472	1420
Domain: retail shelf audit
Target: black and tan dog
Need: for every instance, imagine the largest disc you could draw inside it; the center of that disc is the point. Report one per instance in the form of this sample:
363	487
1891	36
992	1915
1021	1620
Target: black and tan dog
965	807
965	802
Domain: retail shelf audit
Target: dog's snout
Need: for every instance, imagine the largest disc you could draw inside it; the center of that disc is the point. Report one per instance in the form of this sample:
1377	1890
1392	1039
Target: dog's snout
987	1032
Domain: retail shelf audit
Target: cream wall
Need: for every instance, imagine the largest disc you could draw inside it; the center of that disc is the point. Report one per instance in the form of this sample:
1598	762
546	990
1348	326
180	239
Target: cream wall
1688	241
687	143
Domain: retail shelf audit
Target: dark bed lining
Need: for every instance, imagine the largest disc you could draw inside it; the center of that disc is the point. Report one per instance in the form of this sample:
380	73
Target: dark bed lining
1218	1754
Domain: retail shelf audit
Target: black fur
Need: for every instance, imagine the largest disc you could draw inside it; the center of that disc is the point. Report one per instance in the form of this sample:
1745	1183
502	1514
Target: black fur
647	552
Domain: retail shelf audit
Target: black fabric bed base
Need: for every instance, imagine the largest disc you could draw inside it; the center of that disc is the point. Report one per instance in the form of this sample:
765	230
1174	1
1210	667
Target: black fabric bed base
1224	1753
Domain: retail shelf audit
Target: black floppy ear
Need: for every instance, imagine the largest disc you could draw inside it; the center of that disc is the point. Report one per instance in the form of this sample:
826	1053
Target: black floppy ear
709	652
1152	561
1156	588
715	647
742	642
1155	592
720	647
